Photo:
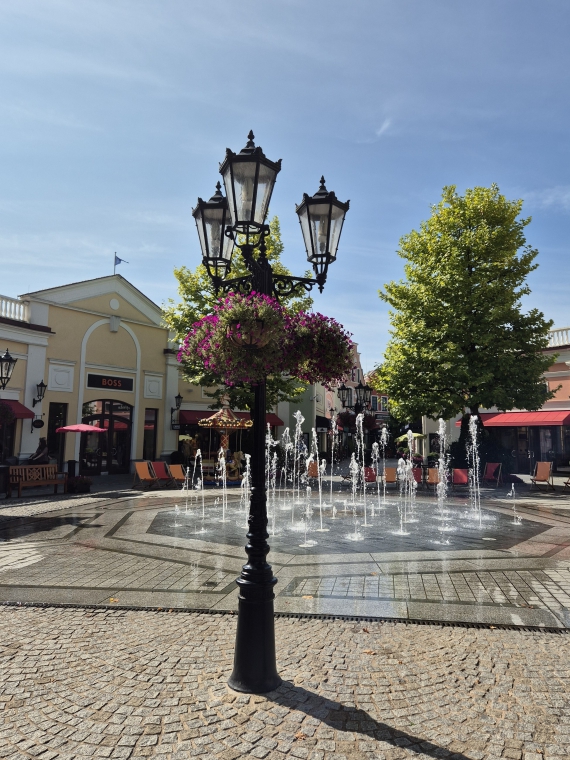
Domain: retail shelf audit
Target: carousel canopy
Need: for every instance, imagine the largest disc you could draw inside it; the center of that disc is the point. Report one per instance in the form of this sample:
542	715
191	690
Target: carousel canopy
225	419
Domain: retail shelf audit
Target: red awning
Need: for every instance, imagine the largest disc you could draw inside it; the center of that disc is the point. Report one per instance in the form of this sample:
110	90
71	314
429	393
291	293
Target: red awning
191	417
524	419
19	411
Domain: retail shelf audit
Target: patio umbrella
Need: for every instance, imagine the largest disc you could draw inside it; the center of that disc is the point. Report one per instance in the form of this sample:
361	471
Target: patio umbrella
80	429
404	438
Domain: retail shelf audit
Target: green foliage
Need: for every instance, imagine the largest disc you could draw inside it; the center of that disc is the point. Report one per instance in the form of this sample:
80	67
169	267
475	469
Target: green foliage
459	336
197	299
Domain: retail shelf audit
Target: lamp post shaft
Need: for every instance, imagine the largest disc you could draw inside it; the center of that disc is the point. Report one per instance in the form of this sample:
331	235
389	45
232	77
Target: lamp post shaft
255	669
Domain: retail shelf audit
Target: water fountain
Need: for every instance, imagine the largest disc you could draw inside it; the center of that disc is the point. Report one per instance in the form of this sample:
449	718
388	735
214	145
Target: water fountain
245	489
474	469
384	436
223	480
516	517
444	522
361	452
443	480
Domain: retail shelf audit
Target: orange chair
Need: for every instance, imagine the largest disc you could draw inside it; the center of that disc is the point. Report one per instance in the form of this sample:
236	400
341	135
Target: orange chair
432	477
163	477
144	474
460	477
313	470
492	473
177	474
542	474
369	475
418	475
391	475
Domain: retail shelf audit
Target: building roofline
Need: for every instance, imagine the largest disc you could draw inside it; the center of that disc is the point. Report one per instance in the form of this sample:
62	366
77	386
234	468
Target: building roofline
120	278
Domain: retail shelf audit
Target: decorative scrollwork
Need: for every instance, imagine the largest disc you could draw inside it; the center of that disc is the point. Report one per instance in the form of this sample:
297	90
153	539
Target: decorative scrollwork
242	285
284	286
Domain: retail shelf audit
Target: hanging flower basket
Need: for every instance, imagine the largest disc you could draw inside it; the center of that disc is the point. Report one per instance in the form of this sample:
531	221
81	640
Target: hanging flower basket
242	342
321	349
251	337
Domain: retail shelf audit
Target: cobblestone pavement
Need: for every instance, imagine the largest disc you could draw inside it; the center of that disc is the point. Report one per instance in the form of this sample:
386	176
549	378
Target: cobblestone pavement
131	684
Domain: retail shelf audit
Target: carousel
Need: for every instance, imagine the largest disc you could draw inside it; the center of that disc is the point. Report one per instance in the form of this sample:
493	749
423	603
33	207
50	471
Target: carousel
225	422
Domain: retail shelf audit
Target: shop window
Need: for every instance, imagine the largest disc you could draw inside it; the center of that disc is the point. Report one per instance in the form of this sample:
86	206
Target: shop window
150	431
56	441
7	436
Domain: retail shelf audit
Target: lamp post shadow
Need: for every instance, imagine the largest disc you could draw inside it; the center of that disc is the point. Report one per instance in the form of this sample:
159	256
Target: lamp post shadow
341	717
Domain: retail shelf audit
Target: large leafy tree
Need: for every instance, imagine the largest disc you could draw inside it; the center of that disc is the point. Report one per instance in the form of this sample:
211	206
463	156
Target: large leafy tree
197	299
460	339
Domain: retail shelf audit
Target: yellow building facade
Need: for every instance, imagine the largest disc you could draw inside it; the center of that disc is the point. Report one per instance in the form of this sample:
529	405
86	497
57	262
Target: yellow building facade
107	360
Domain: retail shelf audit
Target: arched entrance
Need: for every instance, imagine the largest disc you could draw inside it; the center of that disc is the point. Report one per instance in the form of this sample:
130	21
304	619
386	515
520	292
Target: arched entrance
108	452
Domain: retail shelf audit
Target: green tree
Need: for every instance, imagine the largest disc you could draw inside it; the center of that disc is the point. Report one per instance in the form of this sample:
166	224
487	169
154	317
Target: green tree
459	336
197	298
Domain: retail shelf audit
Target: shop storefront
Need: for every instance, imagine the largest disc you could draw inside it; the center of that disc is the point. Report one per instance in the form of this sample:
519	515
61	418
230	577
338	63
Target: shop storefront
531	437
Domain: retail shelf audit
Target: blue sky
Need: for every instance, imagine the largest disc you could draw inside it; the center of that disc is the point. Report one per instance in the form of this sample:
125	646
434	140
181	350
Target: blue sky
114	115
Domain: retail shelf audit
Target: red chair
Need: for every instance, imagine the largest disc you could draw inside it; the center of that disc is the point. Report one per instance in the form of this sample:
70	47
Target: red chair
492	473
369	475
163	477
460	477
418	475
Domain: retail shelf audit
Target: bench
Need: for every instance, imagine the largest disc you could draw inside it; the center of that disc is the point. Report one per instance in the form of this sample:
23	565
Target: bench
32	475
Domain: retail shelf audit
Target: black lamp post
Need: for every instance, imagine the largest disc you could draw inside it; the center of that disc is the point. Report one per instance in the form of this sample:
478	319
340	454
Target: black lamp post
249	177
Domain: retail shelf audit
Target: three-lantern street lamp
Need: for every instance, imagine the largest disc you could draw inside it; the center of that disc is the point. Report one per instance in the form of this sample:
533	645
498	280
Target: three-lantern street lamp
238	219
363	394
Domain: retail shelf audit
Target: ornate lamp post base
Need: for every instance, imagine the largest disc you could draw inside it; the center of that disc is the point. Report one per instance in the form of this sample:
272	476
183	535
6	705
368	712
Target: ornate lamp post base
255	671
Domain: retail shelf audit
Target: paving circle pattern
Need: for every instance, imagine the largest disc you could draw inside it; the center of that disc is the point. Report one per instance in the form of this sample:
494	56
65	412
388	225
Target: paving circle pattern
146	551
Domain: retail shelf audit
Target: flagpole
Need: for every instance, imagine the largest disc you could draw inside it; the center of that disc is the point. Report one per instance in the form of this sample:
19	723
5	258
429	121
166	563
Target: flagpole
114	262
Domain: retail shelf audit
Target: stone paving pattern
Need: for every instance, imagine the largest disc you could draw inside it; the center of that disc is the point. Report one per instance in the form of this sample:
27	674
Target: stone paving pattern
131	684
103	552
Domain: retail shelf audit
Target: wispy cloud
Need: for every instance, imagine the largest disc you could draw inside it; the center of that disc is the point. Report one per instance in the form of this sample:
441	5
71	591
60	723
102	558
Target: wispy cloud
386	124
557	197
45	116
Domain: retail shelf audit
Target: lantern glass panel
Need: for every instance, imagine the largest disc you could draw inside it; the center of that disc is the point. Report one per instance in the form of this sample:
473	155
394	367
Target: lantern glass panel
305	229
201	235
266	182
319	222
337	220
241	205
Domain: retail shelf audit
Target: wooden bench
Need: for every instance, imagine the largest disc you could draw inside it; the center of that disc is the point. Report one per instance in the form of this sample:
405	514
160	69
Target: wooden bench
32	475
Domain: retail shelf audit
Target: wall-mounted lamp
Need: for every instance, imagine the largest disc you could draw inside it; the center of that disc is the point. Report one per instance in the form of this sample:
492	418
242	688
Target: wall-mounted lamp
7	364
41	391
